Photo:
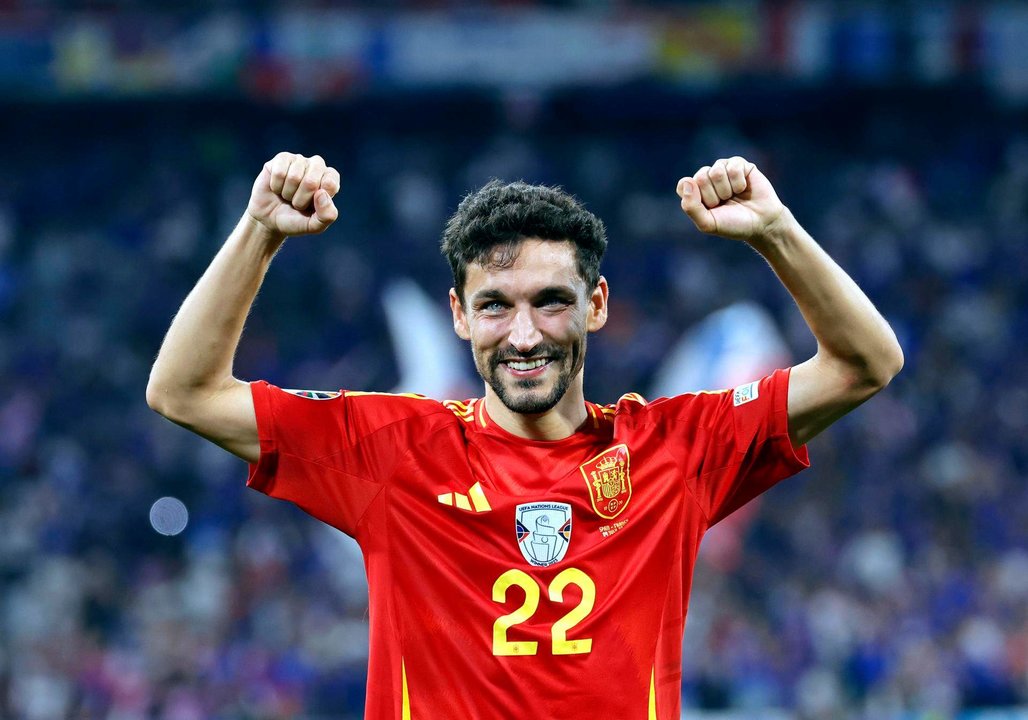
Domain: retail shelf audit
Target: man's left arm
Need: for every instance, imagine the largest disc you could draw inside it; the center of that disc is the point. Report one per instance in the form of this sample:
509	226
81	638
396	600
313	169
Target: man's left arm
857	352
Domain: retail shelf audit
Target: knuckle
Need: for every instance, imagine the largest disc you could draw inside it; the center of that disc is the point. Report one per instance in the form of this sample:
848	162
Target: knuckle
310	183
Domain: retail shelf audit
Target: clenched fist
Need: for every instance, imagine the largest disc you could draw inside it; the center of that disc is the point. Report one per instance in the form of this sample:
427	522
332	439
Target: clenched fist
293	195
731	198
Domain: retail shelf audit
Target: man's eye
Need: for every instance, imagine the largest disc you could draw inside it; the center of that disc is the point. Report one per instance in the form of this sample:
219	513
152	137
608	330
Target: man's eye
493	307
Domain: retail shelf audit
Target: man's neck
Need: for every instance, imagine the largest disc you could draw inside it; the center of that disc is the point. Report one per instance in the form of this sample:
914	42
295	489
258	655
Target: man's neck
559	422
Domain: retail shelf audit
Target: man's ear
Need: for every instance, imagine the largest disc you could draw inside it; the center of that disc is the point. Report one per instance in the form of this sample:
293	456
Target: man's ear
598	306
460	318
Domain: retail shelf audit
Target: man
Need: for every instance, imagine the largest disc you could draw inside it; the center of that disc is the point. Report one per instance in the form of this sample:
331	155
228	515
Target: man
529	553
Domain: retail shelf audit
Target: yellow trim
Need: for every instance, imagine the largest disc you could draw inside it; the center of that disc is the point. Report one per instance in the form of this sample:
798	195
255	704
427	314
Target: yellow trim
446	498
481	416
478	498
653	699
361	393
462	501
458	409
405	709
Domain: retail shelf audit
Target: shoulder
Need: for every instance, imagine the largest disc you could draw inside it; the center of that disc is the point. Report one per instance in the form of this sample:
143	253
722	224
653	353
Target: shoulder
468	412
412	402
378	408
633	406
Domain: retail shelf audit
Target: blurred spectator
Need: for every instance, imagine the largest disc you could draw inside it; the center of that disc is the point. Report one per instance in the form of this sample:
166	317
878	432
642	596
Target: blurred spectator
892	577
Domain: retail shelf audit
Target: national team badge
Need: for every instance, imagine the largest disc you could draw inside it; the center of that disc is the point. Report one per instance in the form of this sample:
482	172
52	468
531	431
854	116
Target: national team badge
543	531
608	480
313	394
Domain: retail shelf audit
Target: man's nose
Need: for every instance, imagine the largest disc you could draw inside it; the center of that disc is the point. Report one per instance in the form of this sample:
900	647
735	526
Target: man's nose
524	335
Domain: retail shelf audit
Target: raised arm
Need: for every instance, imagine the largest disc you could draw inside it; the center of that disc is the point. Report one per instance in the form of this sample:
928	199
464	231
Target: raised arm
191	382
857	352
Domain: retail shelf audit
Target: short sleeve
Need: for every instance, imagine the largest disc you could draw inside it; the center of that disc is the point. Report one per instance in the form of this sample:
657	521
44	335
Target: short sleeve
735	444
322	450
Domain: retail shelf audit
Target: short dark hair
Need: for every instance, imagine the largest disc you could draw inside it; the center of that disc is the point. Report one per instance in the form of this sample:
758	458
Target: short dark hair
500	215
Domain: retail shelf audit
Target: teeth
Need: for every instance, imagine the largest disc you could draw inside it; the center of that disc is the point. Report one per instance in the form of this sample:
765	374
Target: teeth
516	365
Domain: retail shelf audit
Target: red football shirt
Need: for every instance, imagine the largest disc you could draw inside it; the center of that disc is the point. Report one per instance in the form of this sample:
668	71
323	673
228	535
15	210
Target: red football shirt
514	578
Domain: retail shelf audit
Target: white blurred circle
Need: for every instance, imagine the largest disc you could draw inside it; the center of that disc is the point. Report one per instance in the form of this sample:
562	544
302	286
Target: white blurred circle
169	516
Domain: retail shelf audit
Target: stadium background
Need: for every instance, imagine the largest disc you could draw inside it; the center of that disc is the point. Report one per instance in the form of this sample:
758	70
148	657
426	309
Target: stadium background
890	581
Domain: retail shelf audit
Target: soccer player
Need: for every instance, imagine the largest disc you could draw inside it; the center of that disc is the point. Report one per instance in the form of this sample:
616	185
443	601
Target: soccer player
529	553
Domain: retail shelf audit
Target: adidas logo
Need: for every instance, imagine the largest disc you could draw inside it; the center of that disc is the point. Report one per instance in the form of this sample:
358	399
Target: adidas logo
474	501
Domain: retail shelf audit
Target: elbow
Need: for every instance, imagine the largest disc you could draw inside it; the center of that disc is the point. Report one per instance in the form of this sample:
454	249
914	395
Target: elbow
897	362
862	375
182	404
878	372
156	398
891	363
161	398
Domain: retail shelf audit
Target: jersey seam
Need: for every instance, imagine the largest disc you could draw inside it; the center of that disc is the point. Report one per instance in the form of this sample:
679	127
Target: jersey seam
376	431
329	468
385	482
364	512
685	476
653	422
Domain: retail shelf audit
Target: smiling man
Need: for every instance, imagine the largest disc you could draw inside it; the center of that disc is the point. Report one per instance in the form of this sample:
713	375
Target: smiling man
529	553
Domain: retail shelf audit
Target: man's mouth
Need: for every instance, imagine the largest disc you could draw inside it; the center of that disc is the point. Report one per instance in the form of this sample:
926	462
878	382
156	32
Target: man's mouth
527	364
526	367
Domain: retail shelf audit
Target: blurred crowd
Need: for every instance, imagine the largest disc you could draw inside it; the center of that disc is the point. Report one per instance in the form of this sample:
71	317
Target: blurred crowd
889	581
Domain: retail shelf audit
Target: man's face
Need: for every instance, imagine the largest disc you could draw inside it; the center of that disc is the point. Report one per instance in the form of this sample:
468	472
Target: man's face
527	323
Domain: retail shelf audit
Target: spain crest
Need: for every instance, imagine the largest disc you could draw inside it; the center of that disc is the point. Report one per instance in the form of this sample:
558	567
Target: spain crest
608	480
543	530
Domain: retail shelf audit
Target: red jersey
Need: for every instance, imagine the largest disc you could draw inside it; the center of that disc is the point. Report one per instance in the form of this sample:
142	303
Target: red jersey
514	578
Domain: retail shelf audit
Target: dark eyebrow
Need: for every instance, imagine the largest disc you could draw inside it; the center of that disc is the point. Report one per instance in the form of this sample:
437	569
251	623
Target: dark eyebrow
560	292
488	295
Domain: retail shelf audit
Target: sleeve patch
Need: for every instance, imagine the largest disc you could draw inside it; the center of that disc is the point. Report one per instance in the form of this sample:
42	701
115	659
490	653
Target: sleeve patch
313	394
745	393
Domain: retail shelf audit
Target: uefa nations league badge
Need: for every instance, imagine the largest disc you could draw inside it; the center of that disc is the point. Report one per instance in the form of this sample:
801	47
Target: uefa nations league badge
543	531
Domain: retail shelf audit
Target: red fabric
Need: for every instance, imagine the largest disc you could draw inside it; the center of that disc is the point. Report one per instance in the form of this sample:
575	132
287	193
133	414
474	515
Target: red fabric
375	465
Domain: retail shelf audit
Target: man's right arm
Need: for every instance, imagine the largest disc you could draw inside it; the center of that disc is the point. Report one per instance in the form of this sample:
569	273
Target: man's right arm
191	382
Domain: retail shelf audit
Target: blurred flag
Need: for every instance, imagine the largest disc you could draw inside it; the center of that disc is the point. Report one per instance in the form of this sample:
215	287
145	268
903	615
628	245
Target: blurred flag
429	355
728	348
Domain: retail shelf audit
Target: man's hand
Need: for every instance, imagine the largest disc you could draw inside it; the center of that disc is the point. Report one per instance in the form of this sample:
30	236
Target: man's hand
731	198
293	195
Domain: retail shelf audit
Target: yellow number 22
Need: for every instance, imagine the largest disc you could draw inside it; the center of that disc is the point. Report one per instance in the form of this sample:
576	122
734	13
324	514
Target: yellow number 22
561	644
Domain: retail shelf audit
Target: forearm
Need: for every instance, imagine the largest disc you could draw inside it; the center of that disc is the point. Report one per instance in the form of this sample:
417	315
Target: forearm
196	357
851	334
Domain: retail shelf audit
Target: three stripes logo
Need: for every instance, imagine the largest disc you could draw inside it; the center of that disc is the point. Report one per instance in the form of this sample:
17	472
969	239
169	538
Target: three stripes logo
475	501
